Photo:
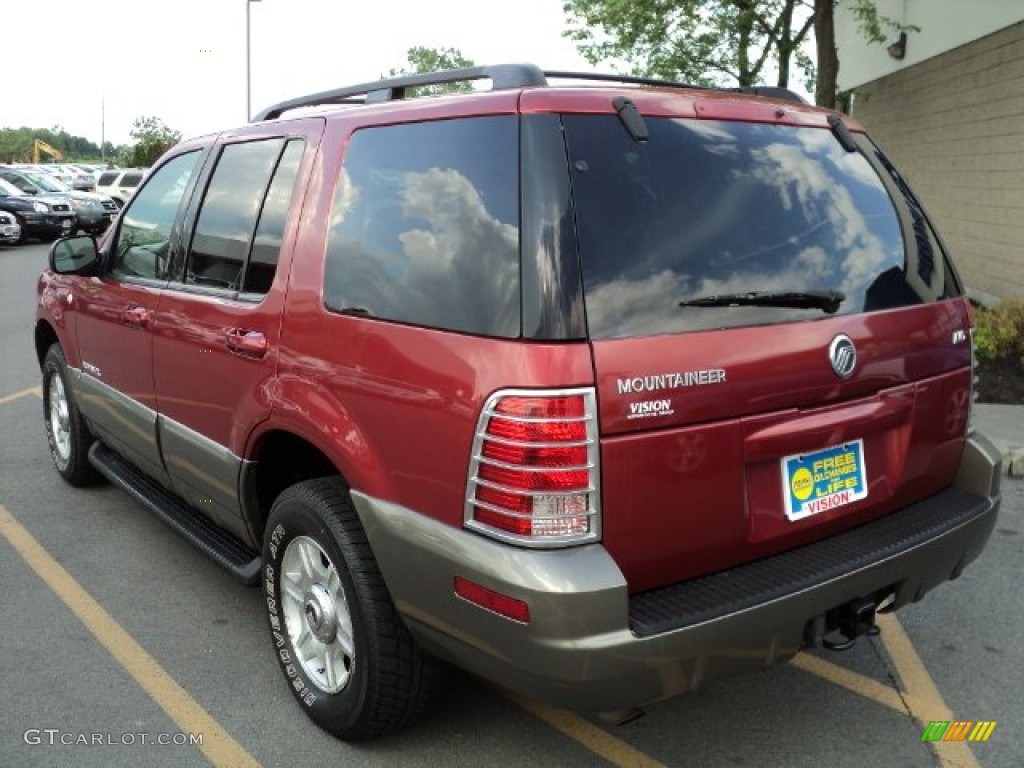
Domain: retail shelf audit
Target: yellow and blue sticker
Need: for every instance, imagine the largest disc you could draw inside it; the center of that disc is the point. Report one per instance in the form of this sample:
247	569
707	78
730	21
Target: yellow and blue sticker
830	478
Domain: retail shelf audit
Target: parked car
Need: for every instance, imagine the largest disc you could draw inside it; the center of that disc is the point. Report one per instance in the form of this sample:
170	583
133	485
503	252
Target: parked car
10	230
598	392
46	218
120	184
74	177
93	212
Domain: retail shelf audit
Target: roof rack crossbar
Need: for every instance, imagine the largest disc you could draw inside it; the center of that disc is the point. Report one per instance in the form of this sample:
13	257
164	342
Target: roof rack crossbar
502	76
768	91
630	79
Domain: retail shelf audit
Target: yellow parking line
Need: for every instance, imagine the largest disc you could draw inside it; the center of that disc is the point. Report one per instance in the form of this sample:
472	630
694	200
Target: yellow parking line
186	712
859	684
586	734
37	391
923	697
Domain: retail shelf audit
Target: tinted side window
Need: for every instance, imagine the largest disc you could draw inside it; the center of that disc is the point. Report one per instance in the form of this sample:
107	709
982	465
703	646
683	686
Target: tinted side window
107	178
130	180
708	208
266	246
425	226
229	212
143	241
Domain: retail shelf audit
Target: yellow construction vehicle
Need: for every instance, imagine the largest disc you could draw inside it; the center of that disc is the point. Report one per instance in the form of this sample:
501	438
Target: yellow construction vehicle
41	146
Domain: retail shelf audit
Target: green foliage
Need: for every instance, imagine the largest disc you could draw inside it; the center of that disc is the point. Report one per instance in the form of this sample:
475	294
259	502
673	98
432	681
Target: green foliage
16	145
422	60
705	42
152	139
721	42
999	332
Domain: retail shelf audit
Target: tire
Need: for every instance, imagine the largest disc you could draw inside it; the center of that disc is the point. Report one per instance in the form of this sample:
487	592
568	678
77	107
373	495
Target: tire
23	237
66	431
347	656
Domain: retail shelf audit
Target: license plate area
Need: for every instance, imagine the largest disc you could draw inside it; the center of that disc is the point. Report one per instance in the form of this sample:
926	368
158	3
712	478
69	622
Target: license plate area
823	480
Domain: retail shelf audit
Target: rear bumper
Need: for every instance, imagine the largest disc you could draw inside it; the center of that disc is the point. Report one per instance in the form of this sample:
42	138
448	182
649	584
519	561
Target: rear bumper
590	645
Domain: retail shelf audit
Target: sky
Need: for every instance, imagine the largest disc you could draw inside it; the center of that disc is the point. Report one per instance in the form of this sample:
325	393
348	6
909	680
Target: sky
103	63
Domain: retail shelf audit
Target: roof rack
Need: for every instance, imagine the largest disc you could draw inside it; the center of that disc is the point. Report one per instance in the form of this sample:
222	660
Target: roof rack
502	77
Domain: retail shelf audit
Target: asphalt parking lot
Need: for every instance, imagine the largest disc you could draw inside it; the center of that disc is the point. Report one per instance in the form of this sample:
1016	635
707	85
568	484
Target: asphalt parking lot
118	636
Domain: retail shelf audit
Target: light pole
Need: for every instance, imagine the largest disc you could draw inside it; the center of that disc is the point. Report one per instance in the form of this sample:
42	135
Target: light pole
248	64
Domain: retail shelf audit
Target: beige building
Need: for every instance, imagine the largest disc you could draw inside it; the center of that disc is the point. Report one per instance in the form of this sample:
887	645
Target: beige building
947	104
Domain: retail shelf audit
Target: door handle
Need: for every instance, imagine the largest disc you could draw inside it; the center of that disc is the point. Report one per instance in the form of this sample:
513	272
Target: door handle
242	341
136	317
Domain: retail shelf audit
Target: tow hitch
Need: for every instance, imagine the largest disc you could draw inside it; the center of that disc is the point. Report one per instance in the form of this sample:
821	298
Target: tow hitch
839	629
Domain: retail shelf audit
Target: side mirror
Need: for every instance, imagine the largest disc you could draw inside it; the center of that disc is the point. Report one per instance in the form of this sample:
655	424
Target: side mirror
30	190
75	255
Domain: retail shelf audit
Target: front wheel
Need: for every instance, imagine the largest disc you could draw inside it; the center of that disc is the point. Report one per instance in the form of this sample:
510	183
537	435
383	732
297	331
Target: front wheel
345	652
66	430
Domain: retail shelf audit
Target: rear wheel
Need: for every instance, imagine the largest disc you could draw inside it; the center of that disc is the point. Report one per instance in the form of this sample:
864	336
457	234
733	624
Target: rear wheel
66	430
347	656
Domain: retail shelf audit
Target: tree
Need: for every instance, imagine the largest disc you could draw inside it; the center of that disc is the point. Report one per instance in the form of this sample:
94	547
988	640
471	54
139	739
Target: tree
423	60
713	42
705	42
152	139
873	26
16	144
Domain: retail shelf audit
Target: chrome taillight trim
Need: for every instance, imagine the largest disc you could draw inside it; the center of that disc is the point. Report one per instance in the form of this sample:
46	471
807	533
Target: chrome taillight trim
593	466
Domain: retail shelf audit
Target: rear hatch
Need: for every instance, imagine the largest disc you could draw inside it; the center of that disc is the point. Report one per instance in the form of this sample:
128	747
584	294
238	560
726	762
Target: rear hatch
780	346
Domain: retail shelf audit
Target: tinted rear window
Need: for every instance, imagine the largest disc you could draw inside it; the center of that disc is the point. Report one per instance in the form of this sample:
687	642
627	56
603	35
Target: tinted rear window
425	226
709	208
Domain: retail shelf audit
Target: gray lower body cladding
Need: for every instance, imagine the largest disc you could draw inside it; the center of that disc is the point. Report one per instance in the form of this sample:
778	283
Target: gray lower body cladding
590	645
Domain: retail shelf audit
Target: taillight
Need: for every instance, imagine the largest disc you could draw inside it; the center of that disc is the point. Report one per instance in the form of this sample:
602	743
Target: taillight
534	472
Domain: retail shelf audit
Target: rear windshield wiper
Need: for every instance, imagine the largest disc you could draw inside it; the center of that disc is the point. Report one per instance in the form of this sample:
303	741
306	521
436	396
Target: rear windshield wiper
827	301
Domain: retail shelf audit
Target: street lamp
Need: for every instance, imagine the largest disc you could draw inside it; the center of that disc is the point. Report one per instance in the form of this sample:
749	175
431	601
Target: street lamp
248	64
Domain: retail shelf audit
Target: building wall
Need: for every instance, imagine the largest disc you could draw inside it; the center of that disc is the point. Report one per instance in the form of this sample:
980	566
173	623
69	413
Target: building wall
954	125
937	26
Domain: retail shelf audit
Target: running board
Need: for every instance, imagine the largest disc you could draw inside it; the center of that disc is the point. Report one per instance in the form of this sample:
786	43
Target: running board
217	544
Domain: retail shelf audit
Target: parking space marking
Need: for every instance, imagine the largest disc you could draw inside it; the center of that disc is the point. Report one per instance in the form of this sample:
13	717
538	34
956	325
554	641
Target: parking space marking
851	681
37	391
588	735
922	695
218	746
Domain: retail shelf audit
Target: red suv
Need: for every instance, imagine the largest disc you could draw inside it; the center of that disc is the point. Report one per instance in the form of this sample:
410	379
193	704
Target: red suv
600	391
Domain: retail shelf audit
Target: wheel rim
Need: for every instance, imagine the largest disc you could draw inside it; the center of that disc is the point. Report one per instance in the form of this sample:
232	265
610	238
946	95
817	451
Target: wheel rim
316	615
60	422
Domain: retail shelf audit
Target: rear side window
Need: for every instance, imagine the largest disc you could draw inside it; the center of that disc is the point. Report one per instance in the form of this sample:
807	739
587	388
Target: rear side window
130	180
241	222
709	209
108	178
425	226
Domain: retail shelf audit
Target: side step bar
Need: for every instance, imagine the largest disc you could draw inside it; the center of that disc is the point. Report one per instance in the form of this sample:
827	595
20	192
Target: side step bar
220	546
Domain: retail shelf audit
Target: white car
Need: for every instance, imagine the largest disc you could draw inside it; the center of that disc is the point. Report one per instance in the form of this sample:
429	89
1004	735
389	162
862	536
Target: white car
10	230
120	183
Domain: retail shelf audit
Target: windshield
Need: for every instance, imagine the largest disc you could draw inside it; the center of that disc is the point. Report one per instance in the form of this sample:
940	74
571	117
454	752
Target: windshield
48	183
691	229
9	189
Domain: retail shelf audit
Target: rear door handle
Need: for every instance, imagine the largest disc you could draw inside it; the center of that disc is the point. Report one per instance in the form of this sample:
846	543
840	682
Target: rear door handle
246	343
136	317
